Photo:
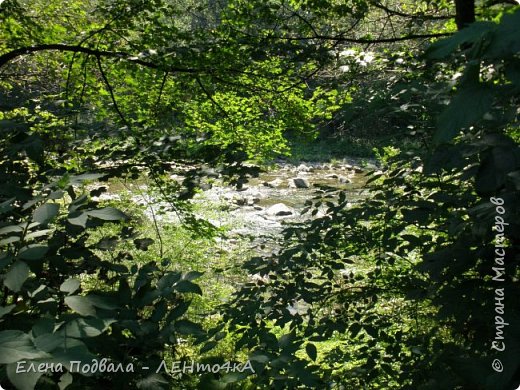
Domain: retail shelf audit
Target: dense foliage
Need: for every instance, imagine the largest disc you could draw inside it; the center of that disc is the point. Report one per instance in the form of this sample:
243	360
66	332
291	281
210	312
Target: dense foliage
412	287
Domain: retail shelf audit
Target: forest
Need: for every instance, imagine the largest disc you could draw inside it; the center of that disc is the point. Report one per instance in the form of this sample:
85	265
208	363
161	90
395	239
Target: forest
260	194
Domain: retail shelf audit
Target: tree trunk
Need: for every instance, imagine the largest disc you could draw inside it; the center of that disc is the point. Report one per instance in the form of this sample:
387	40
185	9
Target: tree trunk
465	13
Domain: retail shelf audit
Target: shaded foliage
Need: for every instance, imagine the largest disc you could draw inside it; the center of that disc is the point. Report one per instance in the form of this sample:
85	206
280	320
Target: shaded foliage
402	282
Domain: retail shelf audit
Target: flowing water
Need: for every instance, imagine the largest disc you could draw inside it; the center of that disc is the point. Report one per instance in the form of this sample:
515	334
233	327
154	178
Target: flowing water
260	210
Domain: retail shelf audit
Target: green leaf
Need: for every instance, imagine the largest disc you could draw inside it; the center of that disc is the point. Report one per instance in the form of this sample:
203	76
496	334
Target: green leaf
33	252
15	345
192	275
43	326
26	380
76	350
493	170
9	125
208	346
70	285
466	108
36	234
79	179
6	310
354	329
417	215
65	380
81	305
168	280
505	40
143	243
33	146
9	240
185	286
102	302
11	229
108	214
46	212
16	276
233	377
6	206
259	357
187	327
78	219
48	342
152	382
311	350
108	243
445	47
87	327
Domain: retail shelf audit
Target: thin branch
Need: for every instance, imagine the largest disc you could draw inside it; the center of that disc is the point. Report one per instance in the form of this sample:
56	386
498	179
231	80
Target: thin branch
163	83
69	71
85	76
13	54
111	91
405	15
365	40
307	23
210	97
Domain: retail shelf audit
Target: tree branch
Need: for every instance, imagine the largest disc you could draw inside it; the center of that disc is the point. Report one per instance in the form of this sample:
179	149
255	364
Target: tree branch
111	91
13	54
405	15
366	40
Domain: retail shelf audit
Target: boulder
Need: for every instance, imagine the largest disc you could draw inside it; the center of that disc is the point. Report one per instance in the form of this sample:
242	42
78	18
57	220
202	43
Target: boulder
280	210
272	184
299	182
240	200
344	180
303	168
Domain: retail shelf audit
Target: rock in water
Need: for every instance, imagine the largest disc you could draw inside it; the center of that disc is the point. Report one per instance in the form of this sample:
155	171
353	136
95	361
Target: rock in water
272	184
300	182
279	210
303	168
331	176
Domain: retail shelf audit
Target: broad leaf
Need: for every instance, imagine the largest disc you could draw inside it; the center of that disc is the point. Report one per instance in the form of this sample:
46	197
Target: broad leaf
33	252
11	229
78	219
143	243
70	285
25	380
49	341
187	327
15	345
16	276
6	310
152	382
311	350
79	179
467	107
445	47
192	275
87	327
186	286
81	305
46	212
108	214
65	380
